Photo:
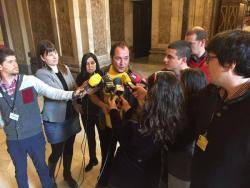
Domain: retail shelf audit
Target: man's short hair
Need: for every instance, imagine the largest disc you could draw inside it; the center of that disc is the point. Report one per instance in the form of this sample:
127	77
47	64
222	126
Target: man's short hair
199	31
120	44
232	47
4	52
182	47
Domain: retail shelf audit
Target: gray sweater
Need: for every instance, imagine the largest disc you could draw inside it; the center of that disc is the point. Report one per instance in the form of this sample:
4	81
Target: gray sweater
26	106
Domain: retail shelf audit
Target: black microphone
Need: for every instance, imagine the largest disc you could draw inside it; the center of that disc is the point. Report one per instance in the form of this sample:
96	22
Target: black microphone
109	86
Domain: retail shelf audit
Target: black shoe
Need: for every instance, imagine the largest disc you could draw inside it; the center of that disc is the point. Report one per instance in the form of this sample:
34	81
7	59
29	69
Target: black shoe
67	160
92	162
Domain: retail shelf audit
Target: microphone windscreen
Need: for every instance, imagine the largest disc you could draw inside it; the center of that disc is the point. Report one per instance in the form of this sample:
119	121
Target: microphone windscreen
108	82
117	81
95	79
134	77
125	78
119	89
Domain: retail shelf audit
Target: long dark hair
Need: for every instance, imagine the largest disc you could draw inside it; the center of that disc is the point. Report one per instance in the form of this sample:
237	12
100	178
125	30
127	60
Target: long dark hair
84	75
163	111
193	80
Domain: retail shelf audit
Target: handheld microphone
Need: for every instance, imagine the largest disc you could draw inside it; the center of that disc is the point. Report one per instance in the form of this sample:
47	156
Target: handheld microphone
119	89
136	78
108	84
127	81
90	86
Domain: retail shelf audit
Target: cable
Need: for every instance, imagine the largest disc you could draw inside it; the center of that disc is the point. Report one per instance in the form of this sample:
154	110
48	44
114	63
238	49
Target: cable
83	145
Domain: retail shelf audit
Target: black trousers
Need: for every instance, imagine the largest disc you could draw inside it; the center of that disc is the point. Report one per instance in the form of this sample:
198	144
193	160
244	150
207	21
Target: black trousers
109	147
65	148
89	124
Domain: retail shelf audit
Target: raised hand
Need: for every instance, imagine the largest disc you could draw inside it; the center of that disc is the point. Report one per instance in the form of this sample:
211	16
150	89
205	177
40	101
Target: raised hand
139	93
112	102
124	104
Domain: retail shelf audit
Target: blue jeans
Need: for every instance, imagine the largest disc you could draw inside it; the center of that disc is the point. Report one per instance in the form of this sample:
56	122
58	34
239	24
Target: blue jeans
35	148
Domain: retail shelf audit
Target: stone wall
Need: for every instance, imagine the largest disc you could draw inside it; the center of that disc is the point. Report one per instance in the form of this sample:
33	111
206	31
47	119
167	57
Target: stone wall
16	32
41	28
64	27
99	27
117	27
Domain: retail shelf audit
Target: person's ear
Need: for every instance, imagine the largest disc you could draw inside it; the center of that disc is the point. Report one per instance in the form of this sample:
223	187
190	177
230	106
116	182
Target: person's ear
203	42
184	60
42	57
229	67
1	67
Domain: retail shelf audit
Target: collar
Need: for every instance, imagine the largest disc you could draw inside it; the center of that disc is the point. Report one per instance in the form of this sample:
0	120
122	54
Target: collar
113	73
6	84
198	59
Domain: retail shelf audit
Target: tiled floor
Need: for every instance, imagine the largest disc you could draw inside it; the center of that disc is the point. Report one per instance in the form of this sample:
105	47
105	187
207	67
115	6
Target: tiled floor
7	171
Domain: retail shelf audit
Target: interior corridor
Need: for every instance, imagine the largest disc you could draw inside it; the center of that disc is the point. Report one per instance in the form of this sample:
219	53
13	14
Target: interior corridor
7	171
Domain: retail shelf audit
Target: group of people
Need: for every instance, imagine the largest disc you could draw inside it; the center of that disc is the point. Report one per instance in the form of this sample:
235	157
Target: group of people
188	127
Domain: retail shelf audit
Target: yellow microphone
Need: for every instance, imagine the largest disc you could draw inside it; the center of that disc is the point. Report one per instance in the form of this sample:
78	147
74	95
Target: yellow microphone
90	86
95	80
127	81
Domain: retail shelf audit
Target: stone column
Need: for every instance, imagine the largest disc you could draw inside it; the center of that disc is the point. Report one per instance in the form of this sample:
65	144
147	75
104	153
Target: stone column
81	26
166	26
16	32
201	14
95	28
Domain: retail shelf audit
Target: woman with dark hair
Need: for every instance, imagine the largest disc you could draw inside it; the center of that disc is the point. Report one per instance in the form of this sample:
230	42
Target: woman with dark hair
61	121
141	136
193	80
89	66
181	152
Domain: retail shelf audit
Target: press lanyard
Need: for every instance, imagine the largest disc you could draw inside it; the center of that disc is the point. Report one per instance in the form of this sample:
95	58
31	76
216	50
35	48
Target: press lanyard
15	94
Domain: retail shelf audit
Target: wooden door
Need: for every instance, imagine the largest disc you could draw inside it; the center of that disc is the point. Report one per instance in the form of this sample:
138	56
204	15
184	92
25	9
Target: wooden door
142	13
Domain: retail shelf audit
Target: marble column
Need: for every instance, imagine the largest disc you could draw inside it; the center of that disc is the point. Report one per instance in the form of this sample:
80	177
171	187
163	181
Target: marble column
95	28
16	32
166	26
201	13
168	22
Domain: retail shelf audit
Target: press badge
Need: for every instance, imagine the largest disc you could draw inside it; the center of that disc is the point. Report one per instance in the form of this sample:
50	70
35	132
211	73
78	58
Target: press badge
14	116
202	142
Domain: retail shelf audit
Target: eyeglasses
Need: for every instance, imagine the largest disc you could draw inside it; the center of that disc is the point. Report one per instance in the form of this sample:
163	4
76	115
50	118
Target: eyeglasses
209	58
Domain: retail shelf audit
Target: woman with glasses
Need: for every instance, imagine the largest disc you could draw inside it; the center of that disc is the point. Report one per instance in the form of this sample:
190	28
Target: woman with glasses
89	66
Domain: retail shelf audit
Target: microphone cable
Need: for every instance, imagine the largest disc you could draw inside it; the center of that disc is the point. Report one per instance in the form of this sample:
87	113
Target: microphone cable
83	151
